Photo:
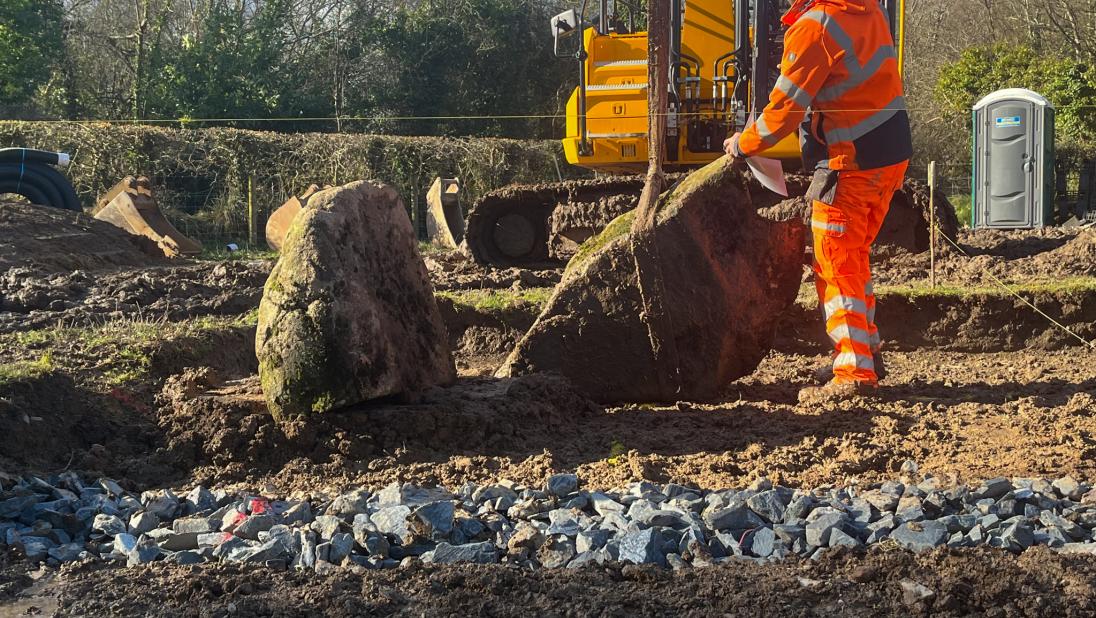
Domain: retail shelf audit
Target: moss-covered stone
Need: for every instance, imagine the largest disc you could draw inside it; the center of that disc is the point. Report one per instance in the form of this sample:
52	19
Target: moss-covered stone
348	314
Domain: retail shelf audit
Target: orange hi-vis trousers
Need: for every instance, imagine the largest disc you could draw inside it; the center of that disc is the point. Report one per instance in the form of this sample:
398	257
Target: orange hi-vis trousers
843	233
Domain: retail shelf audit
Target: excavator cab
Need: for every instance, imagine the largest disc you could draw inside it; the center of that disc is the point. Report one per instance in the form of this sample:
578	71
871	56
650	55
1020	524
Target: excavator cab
725	59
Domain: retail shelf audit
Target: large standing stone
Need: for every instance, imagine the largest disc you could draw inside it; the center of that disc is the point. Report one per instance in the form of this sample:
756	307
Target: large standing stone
348	313
727	274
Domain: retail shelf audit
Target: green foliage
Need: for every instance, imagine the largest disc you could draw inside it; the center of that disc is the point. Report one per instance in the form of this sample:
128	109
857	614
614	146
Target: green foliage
963	207
1069	84
213	73
30	40
288	65
617	452
480	57
220	253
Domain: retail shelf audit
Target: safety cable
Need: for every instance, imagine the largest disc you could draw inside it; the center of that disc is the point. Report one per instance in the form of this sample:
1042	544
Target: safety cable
1004	286
453	117
430	118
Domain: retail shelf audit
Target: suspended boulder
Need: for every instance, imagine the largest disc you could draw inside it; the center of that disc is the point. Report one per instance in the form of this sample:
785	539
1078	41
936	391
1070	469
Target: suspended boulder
726	276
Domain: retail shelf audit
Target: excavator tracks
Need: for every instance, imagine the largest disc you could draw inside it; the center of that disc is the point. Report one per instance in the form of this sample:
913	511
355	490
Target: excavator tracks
542	225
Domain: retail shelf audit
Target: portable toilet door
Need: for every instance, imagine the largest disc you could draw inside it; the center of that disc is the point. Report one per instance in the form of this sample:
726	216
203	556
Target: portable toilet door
1013	184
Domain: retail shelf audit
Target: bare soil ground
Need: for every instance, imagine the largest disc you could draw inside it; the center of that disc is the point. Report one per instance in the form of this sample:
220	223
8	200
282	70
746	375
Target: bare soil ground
1011	256
167	397
57	240
980	582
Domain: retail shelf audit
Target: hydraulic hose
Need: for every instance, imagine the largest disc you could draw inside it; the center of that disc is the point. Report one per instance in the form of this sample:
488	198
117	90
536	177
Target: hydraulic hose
31	173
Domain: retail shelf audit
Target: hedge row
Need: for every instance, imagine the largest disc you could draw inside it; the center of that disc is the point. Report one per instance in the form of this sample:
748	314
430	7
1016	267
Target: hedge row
202	176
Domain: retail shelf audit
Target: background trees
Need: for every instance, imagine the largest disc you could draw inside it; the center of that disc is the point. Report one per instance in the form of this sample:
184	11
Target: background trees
285	59
371	64
31	42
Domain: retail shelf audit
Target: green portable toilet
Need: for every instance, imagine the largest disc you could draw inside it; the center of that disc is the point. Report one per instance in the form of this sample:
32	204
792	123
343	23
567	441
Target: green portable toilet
1013	180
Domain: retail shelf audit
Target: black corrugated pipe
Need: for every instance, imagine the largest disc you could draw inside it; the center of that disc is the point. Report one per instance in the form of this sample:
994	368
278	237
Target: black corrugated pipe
31	173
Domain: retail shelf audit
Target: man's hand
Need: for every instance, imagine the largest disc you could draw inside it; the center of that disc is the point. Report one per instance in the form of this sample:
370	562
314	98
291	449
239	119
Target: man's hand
730	146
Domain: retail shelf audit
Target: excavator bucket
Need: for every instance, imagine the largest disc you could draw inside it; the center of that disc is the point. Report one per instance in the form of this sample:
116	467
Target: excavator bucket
444	219
130	205
277	226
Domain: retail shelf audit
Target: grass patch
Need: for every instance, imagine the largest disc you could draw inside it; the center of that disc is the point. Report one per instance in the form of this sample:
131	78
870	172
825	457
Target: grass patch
113	354
497	301
617	452
1067	284
429	248
26	370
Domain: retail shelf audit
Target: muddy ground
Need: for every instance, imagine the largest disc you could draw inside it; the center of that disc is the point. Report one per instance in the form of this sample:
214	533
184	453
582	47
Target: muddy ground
983	255
980	582
961	416
168	398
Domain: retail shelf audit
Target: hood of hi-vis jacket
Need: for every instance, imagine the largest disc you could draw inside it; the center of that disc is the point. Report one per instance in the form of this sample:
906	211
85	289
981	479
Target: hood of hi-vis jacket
799	7
839	62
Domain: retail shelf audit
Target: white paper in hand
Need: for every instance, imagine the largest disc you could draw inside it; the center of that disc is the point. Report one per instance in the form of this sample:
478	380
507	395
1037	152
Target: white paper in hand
769	173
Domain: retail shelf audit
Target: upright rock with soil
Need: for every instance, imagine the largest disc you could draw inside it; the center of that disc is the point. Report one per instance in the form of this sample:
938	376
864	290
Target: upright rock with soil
727	275
348	313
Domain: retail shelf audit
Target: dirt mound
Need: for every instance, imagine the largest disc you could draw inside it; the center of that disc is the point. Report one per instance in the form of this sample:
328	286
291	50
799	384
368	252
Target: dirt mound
56	420
1009	255
55	240
452	270
961	416
34	298
228	426
49	423
978	581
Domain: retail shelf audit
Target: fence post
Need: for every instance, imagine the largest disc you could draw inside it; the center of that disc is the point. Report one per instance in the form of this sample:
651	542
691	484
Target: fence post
932	224
251	239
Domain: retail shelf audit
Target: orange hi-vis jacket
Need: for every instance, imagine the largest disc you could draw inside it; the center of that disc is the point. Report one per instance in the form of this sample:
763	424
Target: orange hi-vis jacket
839	62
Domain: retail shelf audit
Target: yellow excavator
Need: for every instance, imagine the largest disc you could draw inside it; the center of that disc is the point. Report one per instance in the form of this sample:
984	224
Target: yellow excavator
725	57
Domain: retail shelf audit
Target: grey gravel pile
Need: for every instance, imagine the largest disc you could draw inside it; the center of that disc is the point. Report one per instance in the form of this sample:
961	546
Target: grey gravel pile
559	525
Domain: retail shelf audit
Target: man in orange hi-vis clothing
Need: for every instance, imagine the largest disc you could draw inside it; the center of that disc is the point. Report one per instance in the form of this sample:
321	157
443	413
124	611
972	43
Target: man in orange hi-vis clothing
839	78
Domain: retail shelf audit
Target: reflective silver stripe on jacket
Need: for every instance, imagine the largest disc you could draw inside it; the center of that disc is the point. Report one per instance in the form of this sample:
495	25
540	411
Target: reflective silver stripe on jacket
867	125
857	74
764	132
800	97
